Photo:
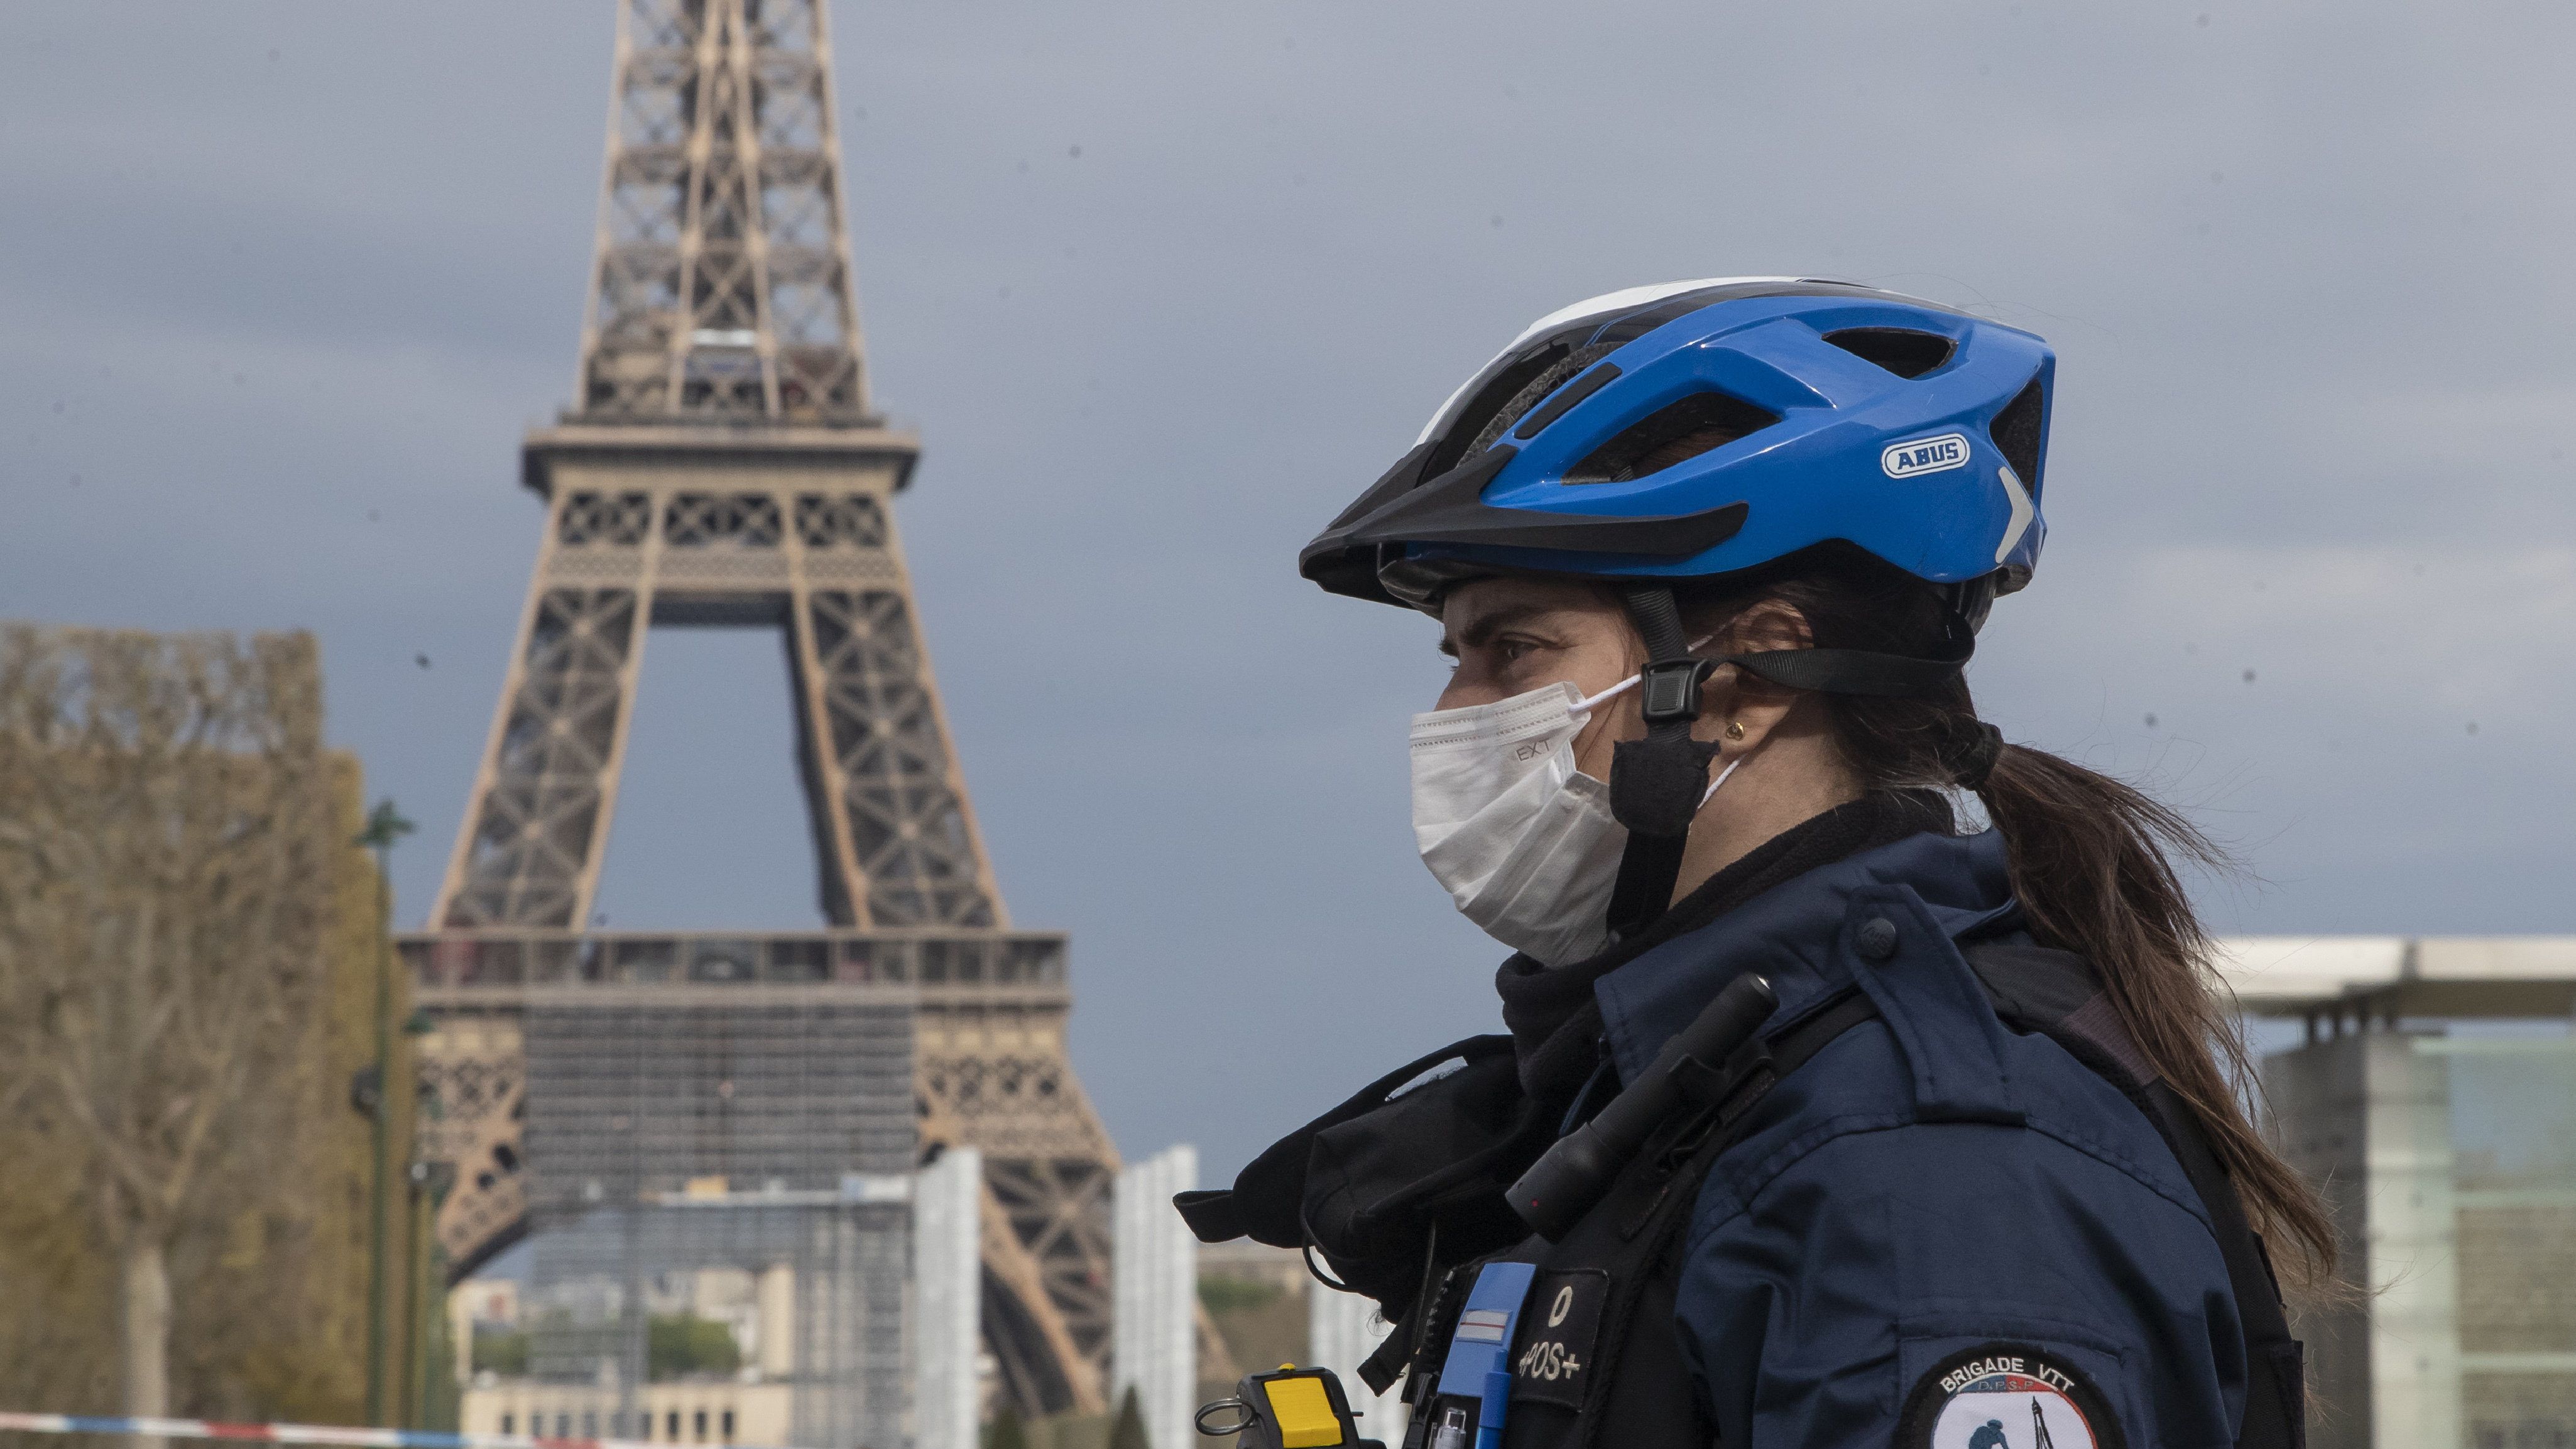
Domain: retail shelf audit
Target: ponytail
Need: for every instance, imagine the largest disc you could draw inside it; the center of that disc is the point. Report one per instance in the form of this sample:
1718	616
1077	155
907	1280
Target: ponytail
2092	861
2093	867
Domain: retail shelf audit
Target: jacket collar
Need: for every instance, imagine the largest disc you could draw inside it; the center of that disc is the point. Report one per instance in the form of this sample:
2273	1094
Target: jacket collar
1790	933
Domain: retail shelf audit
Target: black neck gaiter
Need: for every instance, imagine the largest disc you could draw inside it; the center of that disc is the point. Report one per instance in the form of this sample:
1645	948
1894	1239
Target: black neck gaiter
1554	1021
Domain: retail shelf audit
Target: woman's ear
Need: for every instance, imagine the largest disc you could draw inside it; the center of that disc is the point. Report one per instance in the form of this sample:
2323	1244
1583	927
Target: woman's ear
1771	624
1739	709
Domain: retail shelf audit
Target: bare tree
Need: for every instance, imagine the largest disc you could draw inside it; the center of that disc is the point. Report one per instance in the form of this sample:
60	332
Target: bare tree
165	874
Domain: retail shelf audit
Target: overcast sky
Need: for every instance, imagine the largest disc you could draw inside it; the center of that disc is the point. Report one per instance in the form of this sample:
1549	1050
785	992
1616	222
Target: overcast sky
1164	283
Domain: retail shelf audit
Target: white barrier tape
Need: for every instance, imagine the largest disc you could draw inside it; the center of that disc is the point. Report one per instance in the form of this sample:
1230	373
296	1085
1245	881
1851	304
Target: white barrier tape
300	1433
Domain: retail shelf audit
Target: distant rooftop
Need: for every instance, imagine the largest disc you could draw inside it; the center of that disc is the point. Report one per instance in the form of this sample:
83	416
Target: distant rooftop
2383	976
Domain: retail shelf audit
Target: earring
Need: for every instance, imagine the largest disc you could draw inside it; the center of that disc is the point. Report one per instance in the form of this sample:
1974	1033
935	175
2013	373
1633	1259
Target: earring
1735	729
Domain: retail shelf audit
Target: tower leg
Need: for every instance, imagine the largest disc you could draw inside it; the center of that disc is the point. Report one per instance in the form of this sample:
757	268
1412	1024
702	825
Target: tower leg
537	824
896	804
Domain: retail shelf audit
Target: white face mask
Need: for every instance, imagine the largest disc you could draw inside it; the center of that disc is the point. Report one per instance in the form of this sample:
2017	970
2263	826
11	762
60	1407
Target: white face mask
1523	842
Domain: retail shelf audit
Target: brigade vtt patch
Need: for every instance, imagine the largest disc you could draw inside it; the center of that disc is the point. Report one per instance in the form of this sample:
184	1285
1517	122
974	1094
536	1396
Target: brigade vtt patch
2006	1396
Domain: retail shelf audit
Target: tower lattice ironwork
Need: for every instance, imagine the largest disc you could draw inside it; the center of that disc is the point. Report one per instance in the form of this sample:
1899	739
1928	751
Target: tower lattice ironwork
721	466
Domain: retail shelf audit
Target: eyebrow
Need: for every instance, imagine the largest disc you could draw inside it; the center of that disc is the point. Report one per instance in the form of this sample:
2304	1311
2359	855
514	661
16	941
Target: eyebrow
1481	629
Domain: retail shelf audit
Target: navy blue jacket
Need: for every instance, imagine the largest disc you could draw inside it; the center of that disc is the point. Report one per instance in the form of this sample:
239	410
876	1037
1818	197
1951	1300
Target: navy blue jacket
1931	1193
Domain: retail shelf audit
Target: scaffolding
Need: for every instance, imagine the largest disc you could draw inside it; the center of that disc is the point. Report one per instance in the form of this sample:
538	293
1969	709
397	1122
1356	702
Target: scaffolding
1155	1352
681	1139
719	1140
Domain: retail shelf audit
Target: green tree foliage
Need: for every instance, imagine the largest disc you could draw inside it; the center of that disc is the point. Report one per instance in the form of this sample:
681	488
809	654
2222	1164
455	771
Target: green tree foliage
679	1344
1260	1324
1129	1431
1237	1295
177	780
504	1353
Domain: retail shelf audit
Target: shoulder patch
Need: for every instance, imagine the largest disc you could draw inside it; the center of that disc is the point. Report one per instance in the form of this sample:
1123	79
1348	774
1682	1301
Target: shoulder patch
1559	1328
2006	1396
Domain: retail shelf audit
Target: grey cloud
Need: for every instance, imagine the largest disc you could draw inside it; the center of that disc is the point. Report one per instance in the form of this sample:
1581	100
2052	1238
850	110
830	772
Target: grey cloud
2341	361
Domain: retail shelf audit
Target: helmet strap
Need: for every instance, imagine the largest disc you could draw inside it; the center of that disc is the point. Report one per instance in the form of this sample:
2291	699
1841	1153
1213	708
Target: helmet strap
1657	783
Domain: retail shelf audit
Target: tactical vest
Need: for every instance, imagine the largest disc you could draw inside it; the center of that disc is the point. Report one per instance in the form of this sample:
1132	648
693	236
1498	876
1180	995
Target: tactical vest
1587	1334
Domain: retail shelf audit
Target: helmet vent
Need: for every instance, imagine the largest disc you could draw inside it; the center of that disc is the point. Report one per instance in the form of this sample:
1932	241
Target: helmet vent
1901	350
1525	403
1483	415
2016	433
1675	433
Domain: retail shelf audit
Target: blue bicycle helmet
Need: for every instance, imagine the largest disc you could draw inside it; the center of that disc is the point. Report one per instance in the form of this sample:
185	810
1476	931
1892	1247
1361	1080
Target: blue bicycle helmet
1668	435
1680	432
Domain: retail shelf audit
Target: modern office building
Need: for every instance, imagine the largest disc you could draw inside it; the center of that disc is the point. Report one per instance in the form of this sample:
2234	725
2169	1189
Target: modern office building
2431	1093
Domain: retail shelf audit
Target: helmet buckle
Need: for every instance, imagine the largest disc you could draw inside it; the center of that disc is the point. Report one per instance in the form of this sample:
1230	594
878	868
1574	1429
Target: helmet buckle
1669	691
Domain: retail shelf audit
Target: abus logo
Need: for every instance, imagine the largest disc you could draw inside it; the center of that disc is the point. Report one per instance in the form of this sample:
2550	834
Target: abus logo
1925	455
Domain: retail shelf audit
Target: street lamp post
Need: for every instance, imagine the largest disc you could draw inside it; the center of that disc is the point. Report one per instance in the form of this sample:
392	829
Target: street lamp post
430	1182
385	825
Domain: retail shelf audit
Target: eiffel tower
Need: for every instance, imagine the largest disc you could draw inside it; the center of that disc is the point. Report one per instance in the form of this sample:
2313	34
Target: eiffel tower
721	467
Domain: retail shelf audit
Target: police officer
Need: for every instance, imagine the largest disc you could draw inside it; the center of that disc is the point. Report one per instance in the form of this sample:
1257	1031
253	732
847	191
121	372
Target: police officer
1957	1162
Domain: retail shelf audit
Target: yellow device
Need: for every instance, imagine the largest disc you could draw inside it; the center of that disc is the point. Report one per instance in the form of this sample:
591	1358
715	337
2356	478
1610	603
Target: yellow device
1288	1408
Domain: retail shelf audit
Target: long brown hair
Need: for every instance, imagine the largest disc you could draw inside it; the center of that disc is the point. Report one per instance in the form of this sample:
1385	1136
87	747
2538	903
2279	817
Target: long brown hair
2093	861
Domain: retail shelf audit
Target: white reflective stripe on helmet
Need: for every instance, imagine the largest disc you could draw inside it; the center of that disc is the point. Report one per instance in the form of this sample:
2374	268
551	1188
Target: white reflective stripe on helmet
1627	299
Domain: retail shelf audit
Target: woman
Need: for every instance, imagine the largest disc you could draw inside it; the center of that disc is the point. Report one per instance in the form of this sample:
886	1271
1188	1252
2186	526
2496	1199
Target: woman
1937	1144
